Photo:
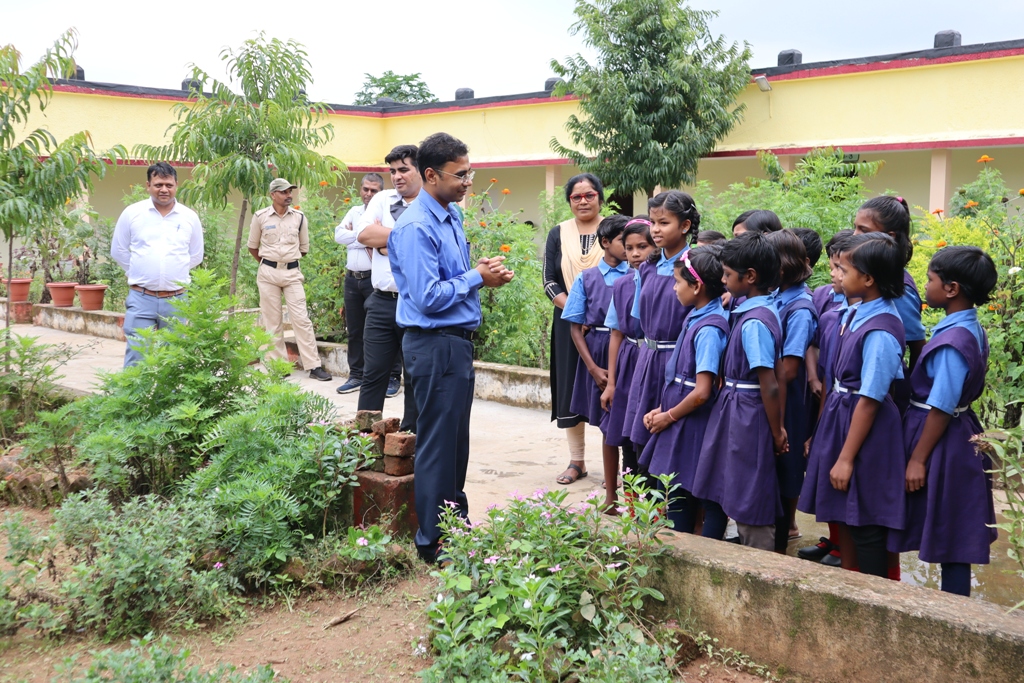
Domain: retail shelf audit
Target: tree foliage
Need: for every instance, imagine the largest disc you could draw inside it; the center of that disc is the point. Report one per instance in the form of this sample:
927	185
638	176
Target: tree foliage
658	97
240	141
407	89
38	174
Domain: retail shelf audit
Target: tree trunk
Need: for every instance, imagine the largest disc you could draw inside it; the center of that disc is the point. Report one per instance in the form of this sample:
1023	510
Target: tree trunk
10	276
238	249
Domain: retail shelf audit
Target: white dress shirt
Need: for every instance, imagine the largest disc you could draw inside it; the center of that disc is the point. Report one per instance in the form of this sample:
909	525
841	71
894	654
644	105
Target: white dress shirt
358	258
157	251
379	211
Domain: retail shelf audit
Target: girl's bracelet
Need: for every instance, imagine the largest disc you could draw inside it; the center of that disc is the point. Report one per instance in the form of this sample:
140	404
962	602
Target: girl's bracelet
673	417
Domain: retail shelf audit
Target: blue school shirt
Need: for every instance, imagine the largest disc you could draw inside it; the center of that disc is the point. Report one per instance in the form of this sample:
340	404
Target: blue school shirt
802	325
664	267
758	343
709	344
576	305
947	367
429	255
882	356
909	308
611	319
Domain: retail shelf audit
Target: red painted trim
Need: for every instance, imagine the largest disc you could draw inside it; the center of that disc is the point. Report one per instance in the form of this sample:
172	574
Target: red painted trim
523	163
367	169
489	105
843	69
883	147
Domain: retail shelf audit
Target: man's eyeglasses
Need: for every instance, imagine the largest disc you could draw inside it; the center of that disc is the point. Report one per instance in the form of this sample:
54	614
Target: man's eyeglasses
577	198
463	176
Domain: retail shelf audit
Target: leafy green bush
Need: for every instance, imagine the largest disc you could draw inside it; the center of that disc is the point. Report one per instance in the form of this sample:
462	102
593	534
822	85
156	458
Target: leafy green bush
28	383
145	428
355	558
149	660
540	579
1007	450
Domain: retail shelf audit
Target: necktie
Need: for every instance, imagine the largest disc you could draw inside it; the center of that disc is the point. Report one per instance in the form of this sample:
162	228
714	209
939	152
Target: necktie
397	209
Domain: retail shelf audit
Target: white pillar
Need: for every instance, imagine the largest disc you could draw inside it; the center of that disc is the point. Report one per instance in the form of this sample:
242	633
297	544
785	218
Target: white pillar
550	179
788	162
940	188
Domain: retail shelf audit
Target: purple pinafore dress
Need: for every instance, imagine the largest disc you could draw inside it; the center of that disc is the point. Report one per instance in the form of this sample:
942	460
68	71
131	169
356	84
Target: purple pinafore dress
876	494
823	299
799	419
586	397
623	292
901	387
661	317
736	468
948	520
827	336
676	450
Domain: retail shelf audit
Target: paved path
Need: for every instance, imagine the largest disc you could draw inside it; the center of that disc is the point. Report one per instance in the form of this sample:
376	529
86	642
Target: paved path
512	449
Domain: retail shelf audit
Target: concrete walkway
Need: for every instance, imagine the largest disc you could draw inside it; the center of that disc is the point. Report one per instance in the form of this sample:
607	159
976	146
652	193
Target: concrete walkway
512	449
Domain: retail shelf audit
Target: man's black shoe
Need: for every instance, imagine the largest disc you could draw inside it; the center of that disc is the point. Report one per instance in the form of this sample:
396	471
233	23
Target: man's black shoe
320	374
831	560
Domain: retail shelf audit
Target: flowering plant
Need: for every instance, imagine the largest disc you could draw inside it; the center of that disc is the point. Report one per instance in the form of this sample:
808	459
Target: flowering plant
540	578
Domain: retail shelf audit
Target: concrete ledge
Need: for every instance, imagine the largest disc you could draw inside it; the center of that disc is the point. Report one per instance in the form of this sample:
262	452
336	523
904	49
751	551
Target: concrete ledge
107	324
828	624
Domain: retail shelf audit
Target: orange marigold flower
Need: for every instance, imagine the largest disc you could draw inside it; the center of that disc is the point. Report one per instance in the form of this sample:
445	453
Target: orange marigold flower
298	208
940	243
971	204
924	306
506	191
506	248
991	307
472	194
347	200
483	224
1021	192
937	212
494	180
323	183
985	159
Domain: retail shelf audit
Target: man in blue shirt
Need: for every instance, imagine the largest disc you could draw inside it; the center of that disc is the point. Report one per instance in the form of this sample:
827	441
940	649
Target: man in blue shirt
439	307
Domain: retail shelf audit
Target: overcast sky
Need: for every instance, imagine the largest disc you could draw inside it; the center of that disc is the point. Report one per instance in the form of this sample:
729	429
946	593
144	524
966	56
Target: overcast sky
496	48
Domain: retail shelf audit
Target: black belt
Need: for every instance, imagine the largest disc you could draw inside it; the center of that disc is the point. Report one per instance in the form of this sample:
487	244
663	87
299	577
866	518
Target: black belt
358	274
273	264
160	294
384	292
460	332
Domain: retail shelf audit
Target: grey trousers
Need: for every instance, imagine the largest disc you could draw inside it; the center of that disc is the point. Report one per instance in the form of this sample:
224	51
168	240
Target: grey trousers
142	310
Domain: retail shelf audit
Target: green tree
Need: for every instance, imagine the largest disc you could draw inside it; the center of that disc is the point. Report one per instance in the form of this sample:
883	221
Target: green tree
658	97
38	174
241	141
408	89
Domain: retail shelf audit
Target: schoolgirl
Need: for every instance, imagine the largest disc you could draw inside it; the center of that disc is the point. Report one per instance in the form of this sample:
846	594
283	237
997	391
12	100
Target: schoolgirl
830	296
756	220
623	350
856	460
736	469
799	324
950	515
678	424
674	222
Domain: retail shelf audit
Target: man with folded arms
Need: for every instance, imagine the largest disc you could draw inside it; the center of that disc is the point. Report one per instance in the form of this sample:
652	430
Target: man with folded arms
157	241
278	238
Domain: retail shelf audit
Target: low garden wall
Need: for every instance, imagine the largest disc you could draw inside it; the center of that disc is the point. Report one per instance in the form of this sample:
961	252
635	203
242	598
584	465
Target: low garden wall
824	624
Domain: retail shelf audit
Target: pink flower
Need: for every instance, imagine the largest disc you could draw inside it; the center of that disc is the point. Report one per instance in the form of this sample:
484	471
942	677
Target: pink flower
362	541
613	565
219	565
493	559
593	494
452	504
472	553
554	570
621	510
492	506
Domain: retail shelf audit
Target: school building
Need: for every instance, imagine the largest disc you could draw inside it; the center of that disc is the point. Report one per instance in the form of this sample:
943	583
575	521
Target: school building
929	114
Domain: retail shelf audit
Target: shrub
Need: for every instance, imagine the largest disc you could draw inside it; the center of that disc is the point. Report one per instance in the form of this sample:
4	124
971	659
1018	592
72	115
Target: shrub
540	579
1007	450
28	384
149	660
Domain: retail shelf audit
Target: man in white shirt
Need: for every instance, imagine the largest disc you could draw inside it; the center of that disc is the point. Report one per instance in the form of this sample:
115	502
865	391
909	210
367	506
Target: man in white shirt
358	288
157	241
382	337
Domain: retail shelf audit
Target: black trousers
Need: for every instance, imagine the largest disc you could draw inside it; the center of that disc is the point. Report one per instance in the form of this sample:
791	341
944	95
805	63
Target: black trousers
382	349
872	556
443	380
357	293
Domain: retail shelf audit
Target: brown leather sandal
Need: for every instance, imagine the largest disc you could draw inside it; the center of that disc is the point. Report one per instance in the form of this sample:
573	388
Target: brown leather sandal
566	479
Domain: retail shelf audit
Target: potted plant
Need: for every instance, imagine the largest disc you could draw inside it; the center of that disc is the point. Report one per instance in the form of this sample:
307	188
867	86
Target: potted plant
62	293
90	297
21	277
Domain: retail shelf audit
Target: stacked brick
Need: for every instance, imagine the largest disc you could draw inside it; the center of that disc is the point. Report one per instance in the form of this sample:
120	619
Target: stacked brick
388	488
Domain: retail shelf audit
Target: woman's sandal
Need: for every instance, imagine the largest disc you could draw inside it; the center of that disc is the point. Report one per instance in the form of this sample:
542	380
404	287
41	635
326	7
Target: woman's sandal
565	479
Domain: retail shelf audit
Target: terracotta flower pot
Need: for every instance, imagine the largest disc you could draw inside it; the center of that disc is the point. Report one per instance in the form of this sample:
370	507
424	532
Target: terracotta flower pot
17	289
91	296
62	293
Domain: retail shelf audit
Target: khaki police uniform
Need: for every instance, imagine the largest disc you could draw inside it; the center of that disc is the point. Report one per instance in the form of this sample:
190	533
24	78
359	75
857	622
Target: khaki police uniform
282	240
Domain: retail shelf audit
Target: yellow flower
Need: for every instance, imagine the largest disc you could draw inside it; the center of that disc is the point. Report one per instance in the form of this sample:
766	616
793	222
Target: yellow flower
506	191
985	159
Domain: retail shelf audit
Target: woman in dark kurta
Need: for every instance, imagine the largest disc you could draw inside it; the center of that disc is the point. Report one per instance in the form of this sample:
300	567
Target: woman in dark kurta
563	261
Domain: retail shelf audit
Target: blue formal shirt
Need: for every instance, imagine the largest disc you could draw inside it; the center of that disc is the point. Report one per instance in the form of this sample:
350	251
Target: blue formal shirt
709	345
947	367
664	267
758	343
802	325
611	320
909	307
575	310
429	258
881	355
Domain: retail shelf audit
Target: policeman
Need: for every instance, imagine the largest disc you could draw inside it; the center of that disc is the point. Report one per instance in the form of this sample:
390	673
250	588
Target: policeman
278	238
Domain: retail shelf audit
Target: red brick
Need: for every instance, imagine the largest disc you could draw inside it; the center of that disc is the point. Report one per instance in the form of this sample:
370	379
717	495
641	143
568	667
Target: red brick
21	312
402	444
378	493
397	466
388	426
366	418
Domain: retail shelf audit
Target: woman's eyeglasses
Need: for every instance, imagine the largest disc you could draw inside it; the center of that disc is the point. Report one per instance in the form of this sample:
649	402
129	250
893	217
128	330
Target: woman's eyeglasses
577	198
